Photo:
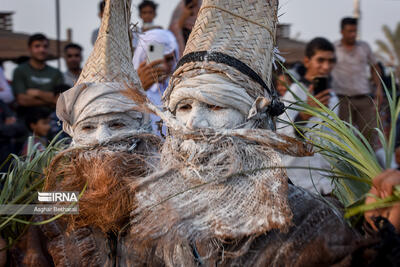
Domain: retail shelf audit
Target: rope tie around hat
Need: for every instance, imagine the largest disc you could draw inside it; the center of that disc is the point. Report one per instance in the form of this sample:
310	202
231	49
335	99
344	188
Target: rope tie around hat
275	108
241	17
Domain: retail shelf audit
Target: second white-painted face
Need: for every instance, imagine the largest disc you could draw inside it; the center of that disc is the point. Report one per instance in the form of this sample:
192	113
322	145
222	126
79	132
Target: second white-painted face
196	114
102	128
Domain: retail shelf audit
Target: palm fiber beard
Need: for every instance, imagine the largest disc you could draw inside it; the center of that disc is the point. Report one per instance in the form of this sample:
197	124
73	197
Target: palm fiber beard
222	189
107	172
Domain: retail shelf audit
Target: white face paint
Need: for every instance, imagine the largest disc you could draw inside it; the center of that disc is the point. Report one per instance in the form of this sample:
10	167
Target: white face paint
196	114
102	128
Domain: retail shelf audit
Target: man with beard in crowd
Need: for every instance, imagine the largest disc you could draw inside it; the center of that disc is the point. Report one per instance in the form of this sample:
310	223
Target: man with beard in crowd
73	60
220	196
111	141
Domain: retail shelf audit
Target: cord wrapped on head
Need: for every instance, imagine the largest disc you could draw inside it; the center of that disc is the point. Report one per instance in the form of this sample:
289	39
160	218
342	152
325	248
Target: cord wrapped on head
234	40
276	107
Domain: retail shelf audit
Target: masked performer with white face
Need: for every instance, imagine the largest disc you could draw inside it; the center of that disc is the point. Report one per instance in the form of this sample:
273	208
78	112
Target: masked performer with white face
111	143
220	197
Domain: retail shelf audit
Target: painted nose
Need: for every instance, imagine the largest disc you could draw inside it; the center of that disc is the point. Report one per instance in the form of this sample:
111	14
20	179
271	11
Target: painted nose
197	120
103	133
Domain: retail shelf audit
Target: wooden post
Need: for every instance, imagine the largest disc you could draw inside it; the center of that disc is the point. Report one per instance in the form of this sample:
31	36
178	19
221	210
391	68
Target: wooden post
357	15
58	33
69	35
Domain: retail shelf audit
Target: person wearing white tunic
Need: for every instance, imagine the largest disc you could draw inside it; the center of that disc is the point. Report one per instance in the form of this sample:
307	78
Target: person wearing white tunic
170	51
319	61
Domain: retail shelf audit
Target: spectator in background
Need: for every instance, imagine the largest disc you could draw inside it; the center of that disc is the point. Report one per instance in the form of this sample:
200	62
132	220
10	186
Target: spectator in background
319	61
351	80
299	70
38	123
55	123
73	60
95	32
148	12
10	129
21	59
6	94
33	81
183	20
155	75
282	82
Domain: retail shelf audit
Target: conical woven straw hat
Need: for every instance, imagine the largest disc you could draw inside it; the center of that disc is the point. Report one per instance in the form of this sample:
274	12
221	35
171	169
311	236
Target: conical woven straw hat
241	29
108	70
111	58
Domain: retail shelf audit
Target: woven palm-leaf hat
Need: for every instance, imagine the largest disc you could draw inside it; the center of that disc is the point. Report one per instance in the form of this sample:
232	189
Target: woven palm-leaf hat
108	70
234	38
111	58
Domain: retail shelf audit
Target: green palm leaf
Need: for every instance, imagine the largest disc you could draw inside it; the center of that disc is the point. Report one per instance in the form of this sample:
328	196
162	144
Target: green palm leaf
348	151
22	181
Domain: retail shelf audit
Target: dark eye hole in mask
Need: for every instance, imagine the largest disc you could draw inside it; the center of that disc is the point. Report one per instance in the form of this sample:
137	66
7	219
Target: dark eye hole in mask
214	107
185	107
116	125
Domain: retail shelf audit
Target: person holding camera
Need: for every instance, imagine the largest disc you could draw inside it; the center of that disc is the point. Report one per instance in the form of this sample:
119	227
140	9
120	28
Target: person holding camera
319	61
154	59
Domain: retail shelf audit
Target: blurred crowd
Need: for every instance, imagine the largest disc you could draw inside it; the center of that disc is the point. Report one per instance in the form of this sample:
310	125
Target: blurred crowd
28	101
343	75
